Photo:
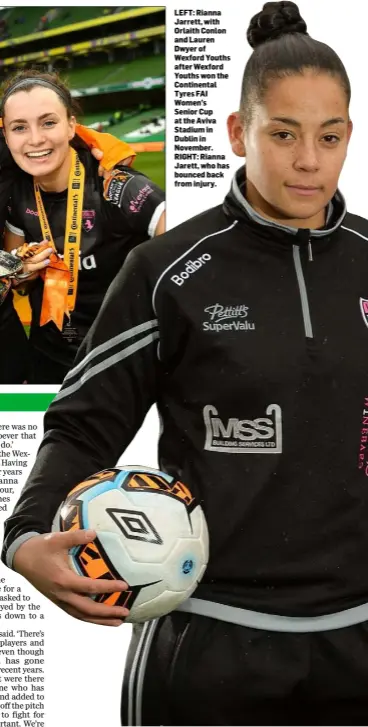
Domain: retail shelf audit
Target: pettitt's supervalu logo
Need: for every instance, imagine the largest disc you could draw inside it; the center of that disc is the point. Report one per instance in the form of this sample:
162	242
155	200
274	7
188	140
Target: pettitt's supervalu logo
227	318
262	435
363	302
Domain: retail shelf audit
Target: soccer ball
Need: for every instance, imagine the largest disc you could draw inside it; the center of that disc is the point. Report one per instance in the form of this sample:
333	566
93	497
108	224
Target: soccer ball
150	532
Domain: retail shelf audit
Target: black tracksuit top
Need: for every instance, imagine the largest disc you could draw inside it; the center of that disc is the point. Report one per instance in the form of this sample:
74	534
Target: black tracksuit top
252	338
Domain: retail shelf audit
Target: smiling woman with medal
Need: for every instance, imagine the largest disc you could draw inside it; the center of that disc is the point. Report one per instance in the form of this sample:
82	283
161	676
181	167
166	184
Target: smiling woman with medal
105	148
90	224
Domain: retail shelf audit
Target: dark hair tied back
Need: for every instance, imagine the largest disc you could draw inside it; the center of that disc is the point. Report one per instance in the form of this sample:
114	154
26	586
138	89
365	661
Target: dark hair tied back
275	19
282	48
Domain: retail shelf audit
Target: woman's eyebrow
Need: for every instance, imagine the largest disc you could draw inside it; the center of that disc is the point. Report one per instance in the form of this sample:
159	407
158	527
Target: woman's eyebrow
336	120
24	121
294	122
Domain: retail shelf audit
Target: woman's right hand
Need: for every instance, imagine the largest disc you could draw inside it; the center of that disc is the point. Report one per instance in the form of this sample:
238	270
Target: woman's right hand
43	561
32	267
37	262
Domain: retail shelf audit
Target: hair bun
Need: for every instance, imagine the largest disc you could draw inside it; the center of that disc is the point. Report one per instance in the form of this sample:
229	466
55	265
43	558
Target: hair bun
275	19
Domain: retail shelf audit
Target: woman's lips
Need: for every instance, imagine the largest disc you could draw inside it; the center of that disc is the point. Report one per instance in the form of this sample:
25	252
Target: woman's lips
303	191
39	158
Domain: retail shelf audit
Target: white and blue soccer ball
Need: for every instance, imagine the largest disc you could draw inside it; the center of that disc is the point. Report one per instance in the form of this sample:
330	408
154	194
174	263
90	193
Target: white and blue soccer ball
151	533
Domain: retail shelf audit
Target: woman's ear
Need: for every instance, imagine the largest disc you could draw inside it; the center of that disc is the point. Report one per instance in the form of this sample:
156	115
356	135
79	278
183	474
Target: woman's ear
4	132
71	127
350	129
235	129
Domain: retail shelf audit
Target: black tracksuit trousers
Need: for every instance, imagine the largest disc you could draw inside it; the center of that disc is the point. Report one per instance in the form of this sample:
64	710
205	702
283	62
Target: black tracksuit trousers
191	670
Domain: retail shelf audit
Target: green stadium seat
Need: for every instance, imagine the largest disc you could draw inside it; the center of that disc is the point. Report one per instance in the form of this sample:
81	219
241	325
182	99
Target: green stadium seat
133	121
25	20
117	72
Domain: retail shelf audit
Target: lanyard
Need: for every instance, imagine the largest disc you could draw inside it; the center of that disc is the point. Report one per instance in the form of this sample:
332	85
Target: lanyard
73	226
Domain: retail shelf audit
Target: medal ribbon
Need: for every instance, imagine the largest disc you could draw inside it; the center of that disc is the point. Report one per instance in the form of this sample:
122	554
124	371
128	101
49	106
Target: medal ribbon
61	277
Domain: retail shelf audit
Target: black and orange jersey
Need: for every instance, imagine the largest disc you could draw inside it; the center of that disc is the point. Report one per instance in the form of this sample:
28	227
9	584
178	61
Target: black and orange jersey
252	338
117	215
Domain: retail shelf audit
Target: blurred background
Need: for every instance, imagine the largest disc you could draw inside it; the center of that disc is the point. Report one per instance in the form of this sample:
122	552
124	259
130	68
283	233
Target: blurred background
113	59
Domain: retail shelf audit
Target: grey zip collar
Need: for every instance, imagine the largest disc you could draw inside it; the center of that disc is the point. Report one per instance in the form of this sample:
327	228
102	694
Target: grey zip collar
236	190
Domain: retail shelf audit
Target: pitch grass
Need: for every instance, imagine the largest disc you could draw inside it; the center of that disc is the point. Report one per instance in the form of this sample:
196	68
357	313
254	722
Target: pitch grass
152	163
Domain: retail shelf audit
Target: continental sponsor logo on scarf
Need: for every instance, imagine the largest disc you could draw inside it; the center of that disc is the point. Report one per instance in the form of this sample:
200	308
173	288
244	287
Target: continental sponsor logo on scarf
72	278
75	213
61	278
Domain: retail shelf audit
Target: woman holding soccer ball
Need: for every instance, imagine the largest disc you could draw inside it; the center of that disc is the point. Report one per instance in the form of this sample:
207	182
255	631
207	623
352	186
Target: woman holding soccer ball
263	423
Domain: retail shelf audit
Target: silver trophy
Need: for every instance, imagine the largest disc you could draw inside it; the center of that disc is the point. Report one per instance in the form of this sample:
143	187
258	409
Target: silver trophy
10	267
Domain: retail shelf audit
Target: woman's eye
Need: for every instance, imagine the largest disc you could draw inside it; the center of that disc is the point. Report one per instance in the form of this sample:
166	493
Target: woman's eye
49	123
20	127
284	135
331	138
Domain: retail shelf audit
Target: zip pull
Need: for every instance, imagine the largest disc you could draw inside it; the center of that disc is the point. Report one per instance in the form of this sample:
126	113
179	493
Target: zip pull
310	253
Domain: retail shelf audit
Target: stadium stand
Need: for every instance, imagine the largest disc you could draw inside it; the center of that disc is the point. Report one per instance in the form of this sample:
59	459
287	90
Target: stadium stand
31	30
116	72
137	127
21	21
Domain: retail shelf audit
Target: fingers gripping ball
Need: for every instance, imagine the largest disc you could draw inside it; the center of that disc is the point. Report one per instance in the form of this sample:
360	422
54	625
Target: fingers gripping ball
151	533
